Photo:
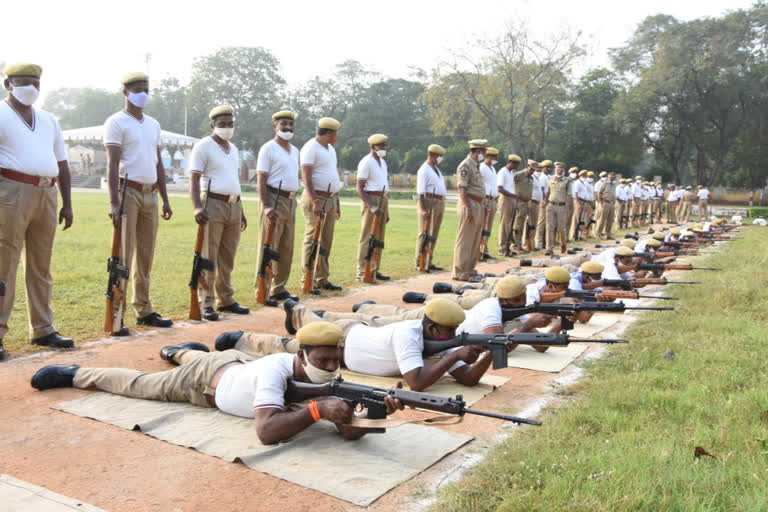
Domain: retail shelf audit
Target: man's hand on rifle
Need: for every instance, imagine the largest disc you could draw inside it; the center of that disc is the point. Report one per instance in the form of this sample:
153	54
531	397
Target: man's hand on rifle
394	404
200	216
167	212
335	410
469	354
536	321
317	207
271	213
376	210
602	298
114	213
426	214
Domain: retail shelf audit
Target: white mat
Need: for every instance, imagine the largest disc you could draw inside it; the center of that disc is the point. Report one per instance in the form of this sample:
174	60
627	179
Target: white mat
20	496
318	458
554	360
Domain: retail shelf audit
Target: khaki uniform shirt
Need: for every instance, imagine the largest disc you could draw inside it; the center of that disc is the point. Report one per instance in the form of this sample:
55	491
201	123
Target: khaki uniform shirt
608	191
469	176
523	185
558	189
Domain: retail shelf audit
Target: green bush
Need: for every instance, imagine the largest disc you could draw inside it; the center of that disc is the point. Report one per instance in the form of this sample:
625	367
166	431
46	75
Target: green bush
758	212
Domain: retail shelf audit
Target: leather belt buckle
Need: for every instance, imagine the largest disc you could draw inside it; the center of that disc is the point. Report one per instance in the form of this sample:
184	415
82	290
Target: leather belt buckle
146	189
46	182
232	199
292	194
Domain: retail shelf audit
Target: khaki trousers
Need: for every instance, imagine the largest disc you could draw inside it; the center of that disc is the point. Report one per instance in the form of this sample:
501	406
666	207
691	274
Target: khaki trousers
302	315
258	345
366	221
605	223
556	224
598	212
467	245
619	208
493	208
637	208
533	221
222	238
140	236
522	213
326	237
672	212
438	208
188	382
376	315
703	204
28	226
579	214
282	242
541	224
684	212
507	206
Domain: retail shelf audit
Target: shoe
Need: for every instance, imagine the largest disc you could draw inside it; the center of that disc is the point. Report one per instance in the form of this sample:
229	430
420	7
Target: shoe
357	306
435	268
461	289
234	308
154	320
284	295
54	340
503	254
476	279
210	314
571	251
382	277
332	287
319	312
227	340
492	274
414	297
563	249
288	306
54	376
609	237
442	288
487	256
2	351
167	353
526	263
547	253
462	279
122	332
316	291
271	302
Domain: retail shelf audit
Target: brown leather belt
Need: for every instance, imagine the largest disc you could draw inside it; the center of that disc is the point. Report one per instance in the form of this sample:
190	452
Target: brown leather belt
232	199
435	196
533	201
215	381
556	204
478	199
29	179
374	192
141	187
490	197
283	193
324	193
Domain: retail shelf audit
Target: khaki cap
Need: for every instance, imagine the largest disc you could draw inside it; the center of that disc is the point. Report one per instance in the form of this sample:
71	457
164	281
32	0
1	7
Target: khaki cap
653	242
328	123
320	334
478	144
546	163
557	275
283	114
377	138
436	149
628	242
136	76
491	151
444	312
622	251
514	158
23	69
221	110
510	287
592	267
659	235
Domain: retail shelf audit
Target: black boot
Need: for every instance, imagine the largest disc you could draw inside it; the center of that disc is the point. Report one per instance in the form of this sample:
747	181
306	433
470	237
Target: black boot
414	297
288	306
210	314
227	340
382	277
332	287
357	306
319	312
435	268
2	351
154	320
235	308
442	288
54	340
526	263
279	297
54	376
167	353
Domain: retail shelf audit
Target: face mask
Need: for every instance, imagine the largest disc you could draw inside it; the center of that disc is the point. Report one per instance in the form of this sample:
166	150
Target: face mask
315	374
591	180
381	153
480	157
333	138
285	135
494	162
439	159
138	99
26	94
224	133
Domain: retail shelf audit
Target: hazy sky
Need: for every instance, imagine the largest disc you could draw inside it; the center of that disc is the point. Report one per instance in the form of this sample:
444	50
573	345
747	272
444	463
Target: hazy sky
93	42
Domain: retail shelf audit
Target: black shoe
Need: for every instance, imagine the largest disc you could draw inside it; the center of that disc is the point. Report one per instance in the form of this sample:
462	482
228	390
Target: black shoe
382	277
288	306
2	351
476	279
316	291
442	288
167	353
414	297
271	303
54	376
461	289
154	320
487	256
227	340
526	263
319	312
210	314
571	251
54	340
284	295
492	274
332	287
234	308
122	332
357	306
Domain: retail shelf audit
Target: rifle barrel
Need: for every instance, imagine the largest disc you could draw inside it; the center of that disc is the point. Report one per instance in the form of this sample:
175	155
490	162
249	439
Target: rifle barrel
683	282
705	268
654	297
596	340
514	419
646	308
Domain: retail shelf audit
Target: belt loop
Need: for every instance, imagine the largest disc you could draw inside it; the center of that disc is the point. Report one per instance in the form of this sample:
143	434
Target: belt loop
209	391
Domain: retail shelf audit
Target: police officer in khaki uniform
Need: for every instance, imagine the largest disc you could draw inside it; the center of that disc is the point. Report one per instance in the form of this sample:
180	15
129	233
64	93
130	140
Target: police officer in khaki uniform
488	170
557	199
33	158
372	187
524	186
430	187
470	211
573	178
606	197
507	204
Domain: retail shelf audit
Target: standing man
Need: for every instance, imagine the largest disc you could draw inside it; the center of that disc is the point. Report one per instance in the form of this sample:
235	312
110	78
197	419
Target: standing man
580	194
505	181
589	212
685	204
32	158
491	191
621	201
372	187
606	198
430	187
573	176
541	221
132	139
524	184
673	197
557	198
470	211
321	186
217	159
659	201
636	194
598	206
703	194
277	168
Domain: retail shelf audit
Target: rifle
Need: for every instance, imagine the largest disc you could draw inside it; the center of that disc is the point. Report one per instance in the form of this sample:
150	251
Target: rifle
199	264
268	255
624	284
484	234
117	270
497	343
567	310
315	248
645	281
590	295
358	396
577	231
511	236
659	267
425	252
373	243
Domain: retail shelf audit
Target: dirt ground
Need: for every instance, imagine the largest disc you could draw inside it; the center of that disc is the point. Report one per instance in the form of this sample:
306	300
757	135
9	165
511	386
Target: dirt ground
124	471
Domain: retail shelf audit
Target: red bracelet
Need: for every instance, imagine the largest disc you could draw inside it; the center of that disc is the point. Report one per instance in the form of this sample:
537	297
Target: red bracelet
313	410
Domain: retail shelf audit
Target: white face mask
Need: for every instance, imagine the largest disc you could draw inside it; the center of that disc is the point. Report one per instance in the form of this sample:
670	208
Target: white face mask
285	135
138	99
480	157
591	180
439	159
381	153
315	374
224	133
26	94
494	162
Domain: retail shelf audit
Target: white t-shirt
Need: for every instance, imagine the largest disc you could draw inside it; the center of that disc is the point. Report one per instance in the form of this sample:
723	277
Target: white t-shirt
324	164
641	245
34	150
575	282
703	194
760	221
219	167
533	291
506	179
280	166
258	384
636	190
386	351
582	190
430	180
537	194
486	313
138	141
375	173
674	196
489	179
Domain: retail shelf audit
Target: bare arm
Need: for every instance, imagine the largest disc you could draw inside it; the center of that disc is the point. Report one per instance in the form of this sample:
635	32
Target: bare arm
167	212
419	379
269	211
113	180
65	189
275	425
363	196
469	375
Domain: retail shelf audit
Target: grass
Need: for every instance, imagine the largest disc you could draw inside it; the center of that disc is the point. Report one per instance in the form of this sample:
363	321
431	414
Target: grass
626	439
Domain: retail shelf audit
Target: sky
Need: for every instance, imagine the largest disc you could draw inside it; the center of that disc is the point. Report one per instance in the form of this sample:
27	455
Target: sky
94	42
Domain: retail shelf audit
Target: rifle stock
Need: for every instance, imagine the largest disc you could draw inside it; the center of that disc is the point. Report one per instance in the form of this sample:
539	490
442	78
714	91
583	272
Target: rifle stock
309	267
265	275
199	264
117	271
373	243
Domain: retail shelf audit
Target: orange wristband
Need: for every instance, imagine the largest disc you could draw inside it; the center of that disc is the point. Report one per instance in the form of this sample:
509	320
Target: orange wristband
313	410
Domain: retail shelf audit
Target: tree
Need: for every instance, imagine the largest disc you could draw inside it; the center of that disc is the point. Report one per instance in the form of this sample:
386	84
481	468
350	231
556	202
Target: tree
82	107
